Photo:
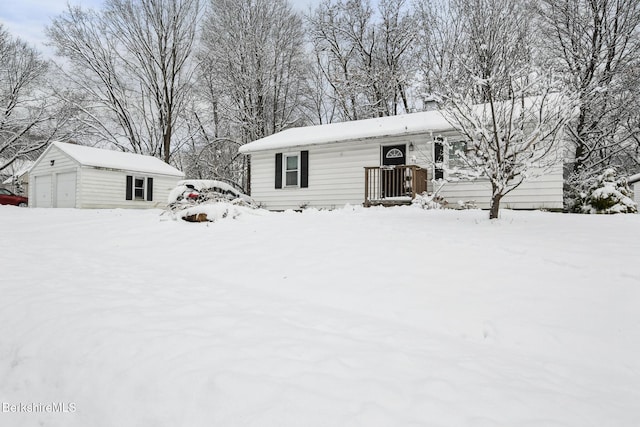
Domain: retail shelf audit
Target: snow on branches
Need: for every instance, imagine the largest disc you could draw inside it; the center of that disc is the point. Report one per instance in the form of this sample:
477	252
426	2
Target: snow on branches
606	194
509	141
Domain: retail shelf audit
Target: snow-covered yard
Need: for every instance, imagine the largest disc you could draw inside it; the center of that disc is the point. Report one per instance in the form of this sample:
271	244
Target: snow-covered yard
356	317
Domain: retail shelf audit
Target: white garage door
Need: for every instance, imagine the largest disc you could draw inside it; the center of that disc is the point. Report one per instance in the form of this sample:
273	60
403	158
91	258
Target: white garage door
42	191
66	190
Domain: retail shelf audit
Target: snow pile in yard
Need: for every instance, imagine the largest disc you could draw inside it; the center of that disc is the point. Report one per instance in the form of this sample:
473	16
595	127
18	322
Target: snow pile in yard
215	199
216	211
204	185
356	317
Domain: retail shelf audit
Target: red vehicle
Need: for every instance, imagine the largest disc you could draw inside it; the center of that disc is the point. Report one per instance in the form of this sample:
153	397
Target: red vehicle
8	198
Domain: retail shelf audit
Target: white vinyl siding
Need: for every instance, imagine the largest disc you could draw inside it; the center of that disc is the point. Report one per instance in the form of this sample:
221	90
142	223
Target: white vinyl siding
336	177
543	192
107	189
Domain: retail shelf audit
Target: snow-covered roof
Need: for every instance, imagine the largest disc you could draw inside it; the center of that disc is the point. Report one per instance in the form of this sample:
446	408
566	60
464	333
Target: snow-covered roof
427	121
98	157
634	178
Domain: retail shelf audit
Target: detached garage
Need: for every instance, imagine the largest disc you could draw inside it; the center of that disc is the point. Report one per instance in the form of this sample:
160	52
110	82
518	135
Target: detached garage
75	176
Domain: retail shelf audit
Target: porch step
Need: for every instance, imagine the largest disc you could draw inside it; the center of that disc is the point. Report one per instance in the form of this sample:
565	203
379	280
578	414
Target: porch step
393	185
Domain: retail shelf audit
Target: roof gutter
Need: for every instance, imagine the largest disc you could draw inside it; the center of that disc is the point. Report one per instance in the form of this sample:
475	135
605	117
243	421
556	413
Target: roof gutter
244	150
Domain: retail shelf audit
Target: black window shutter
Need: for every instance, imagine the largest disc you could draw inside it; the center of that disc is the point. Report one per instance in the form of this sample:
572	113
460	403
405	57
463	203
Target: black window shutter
129	194
438	157
278	170
149	189
304	169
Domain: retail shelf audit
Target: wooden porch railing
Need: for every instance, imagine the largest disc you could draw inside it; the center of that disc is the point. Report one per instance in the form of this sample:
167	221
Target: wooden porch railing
393	185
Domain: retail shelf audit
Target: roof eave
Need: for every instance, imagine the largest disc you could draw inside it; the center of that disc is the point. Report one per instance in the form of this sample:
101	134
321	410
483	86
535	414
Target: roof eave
178	174
243	149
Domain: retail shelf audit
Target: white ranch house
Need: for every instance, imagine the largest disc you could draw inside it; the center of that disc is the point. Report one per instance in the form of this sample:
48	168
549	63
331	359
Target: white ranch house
75	176
384	160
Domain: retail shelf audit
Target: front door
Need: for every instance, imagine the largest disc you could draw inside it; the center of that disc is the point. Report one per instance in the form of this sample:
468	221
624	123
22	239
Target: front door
392	178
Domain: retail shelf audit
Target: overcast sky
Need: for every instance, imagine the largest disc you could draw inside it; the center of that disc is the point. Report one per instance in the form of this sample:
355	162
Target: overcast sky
27	18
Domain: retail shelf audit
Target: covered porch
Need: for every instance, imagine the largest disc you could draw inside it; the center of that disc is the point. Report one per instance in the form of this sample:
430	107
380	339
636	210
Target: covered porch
393	185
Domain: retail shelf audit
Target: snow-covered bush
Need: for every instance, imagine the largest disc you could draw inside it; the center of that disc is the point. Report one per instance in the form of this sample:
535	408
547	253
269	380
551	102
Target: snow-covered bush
467	204
207	200
606	194
196	191
429	201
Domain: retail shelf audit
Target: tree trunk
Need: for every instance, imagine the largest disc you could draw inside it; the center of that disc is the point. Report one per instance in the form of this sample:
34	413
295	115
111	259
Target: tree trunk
495	206
166	144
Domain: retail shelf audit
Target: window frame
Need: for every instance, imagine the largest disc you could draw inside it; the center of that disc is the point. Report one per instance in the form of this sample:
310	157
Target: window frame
454	160
138	188
286	170
143	188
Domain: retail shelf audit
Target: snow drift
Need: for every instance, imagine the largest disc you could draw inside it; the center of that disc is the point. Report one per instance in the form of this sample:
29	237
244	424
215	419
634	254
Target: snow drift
356	317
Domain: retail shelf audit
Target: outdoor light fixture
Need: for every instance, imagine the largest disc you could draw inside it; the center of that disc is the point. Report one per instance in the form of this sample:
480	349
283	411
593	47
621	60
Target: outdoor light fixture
52	162
411	147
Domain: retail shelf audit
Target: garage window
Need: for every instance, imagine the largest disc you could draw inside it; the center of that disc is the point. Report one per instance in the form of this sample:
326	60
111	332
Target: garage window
139	188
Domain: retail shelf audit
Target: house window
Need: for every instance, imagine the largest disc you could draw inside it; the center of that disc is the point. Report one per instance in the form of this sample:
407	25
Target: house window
138	188
456	151
394	153
291	169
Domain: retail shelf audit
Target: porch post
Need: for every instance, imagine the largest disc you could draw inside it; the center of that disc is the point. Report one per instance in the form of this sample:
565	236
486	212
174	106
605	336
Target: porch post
366	187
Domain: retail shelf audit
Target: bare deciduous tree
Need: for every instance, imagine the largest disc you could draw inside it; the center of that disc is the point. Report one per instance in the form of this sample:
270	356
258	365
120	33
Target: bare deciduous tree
255	52
255	71
130	65
29	116
509	141
366	57
441	41
595	46
507	112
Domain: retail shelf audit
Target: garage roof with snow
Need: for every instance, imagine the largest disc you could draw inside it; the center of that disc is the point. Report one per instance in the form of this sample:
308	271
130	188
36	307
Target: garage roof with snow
101	158
406	124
